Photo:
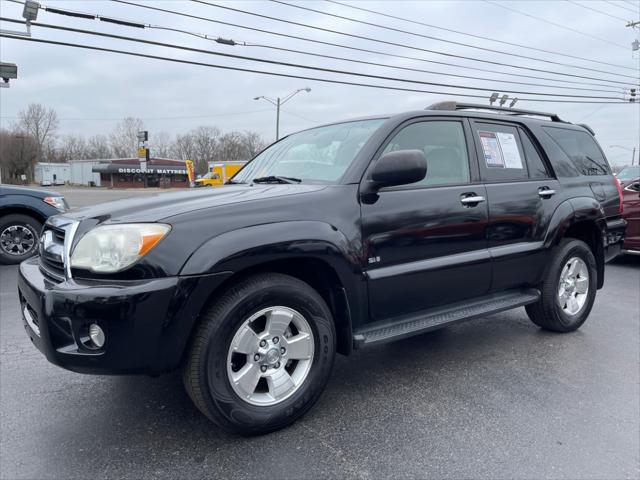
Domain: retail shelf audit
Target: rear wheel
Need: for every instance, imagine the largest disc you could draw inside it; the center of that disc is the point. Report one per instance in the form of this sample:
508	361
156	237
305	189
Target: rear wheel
568	289
19	236
261	355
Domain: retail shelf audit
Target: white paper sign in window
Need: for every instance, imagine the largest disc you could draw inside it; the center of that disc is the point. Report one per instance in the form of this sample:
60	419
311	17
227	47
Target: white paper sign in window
510	150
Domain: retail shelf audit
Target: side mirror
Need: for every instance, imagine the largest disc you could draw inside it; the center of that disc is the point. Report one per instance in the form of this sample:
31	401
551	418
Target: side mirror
635	186
401	167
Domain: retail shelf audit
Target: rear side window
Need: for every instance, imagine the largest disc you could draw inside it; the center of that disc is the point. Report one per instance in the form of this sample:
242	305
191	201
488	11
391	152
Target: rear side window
500	151
582	149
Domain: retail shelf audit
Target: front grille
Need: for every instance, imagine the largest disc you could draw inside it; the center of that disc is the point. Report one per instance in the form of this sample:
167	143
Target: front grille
52	256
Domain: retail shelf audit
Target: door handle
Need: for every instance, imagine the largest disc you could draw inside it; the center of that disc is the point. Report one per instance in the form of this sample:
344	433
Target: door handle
472	200
546	192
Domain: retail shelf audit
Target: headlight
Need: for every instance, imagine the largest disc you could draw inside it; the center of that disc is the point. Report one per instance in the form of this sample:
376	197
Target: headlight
56	202
111	248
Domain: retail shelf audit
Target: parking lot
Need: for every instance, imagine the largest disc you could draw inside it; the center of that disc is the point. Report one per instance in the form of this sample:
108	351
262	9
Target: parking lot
492	398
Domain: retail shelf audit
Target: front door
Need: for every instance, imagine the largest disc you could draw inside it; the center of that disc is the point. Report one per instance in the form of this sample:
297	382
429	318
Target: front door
426	242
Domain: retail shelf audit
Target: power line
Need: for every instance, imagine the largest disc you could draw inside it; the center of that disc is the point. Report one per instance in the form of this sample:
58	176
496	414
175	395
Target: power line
232	42
555	24
635	12
306	67
459	32
385	42
596	10
429	37
376	52
277	74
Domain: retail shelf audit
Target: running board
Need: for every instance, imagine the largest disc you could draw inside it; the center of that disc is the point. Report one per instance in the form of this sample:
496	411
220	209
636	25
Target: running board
417	323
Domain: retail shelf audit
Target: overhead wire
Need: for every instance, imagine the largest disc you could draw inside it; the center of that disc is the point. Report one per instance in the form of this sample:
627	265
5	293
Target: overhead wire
301	52
596	10
430	37
279	74
303	66
473	35
520	12
395	44
366	50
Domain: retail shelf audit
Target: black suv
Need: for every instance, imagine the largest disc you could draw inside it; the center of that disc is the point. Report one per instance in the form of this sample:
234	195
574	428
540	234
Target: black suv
334	238
22	214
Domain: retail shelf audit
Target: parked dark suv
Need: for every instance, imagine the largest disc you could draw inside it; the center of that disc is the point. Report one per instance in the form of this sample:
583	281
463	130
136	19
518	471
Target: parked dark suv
334	238
22	212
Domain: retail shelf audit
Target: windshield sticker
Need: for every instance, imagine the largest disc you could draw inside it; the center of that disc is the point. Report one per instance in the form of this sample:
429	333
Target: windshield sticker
510	150
492	151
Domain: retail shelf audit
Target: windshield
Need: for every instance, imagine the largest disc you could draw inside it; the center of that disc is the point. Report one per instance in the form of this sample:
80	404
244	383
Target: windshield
317	155
629	172
207	175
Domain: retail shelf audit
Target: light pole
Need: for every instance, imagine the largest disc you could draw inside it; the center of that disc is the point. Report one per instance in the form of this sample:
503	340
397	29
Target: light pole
281	101
632	150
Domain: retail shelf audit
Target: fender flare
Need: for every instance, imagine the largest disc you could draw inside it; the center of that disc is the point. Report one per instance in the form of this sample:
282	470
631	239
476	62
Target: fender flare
238	250
571	212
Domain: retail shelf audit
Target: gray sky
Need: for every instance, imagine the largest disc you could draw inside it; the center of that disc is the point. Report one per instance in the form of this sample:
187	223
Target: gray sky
92	90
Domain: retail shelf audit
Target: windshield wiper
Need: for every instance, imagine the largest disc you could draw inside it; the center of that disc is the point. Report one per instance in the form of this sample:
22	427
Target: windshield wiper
276	179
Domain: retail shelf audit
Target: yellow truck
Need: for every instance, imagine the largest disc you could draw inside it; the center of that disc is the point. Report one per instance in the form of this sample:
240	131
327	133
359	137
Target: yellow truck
220	173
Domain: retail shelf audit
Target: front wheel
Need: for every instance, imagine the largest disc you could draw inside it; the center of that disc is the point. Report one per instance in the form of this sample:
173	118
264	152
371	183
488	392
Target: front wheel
568	289
262	354
18	238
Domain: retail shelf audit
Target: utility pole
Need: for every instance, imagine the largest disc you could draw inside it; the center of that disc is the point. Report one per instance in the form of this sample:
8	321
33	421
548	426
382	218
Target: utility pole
281	101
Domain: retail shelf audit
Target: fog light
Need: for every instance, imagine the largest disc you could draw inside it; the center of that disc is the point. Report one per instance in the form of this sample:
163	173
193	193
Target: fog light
96	334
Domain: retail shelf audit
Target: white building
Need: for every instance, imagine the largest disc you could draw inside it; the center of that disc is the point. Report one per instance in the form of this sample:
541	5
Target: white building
82	172
48	174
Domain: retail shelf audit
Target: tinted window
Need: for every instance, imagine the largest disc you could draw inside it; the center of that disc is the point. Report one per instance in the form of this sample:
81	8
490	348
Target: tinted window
582	149
444	146
500	152
536	166
629	172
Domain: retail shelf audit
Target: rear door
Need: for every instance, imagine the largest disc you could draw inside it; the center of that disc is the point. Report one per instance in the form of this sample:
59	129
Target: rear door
522	196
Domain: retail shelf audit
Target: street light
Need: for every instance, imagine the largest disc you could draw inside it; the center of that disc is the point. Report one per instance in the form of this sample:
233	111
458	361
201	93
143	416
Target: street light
281	101
632	150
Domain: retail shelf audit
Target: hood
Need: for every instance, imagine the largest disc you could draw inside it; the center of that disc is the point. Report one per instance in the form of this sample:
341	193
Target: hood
153	208
33	192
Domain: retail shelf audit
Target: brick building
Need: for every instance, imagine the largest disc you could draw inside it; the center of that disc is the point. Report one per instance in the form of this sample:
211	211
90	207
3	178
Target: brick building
126	173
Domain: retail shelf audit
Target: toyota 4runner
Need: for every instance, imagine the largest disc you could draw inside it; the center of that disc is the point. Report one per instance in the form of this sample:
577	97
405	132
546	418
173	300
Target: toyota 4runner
335	238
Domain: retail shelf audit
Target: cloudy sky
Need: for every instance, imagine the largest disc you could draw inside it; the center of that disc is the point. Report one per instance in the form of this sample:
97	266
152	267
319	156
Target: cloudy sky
92	90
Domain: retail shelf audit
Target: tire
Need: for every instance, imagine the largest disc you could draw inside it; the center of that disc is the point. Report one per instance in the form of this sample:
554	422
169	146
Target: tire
211	365
563	315
28	231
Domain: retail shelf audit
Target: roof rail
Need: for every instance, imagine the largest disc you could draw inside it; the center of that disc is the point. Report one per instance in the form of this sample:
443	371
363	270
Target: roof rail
453	105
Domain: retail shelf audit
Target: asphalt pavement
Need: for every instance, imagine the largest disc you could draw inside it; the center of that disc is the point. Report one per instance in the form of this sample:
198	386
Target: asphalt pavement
491	398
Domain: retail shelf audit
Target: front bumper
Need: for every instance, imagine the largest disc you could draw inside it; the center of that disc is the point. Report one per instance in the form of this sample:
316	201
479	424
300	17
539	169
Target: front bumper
147	323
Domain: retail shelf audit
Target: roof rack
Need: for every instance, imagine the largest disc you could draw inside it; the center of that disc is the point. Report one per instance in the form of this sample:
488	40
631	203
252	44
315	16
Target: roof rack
452	106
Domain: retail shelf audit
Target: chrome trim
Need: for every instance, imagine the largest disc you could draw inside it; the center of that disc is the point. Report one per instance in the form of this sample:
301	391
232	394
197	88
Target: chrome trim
69	226
471	200
430	264
629	189
546	193
514	248
631	252
453	260
30	322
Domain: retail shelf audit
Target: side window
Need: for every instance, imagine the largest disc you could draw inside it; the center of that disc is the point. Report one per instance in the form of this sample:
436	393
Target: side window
537	169
582	149
444	146
500	152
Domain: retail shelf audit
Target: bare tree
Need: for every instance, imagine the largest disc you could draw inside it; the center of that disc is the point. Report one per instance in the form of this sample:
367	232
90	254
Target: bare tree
98	147
18	153
72	147
41	123
160	145
124	137
253	144
205	142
